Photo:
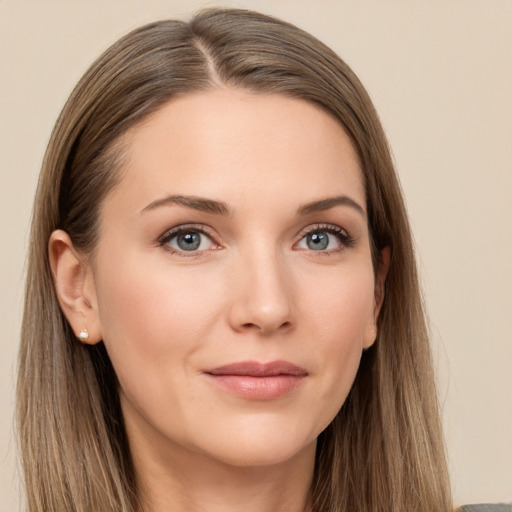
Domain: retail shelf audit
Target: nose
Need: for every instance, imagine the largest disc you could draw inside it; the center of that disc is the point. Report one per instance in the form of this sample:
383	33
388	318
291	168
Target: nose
262	296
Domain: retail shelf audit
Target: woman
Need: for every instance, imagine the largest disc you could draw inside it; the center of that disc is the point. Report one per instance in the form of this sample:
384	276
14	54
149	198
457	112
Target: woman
222	305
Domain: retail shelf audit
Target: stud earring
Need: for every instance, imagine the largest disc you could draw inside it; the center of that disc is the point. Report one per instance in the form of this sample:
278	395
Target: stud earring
84	335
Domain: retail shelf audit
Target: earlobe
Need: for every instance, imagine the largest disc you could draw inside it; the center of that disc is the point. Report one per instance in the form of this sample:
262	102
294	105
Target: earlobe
380	280
74	286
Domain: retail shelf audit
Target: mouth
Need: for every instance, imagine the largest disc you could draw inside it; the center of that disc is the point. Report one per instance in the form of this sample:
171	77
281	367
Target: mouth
252	380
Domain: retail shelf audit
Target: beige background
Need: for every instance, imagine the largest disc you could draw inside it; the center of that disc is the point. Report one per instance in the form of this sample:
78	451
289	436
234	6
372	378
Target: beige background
440	73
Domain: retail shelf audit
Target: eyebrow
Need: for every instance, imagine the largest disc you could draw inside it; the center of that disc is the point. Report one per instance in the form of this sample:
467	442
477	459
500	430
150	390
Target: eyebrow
221	208
331	202
193	202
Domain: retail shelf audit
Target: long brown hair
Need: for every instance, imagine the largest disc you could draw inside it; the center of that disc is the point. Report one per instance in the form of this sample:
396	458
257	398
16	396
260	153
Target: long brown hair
384	450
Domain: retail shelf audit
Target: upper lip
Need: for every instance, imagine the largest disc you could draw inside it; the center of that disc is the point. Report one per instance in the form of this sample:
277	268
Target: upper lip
257	369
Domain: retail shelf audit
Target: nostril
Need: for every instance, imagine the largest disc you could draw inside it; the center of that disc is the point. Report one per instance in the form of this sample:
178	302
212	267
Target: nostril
266	328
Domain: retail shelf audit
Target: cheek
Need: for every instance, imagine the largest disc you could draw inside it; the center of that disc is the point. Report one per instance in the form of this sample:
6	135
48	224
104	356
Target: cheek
148	315
341	303
341	314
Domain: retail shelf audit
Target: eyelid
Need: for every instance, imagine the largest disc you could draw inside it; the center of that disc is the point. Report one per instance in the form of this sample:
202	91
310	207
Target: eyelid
344	237
176	230
322	226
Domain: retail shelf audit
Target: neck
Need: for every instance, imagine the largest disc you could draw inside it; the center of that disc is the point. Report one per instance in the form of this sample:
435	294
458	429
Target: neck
183	481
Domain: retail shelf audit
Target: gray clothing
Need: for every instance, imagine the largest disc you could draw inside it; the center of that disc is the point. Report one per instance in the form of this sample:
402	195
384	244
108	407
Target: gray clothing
487	507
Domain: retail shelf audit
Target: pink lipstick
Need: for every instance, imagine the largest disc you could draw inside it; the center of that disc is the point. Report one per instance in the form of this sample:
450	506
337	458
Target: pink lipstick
258	381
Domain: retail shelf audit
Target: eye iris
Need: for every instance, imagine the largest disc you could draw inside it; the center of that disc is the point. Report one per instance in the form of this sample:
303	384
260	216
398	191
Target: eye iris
318	241
189	241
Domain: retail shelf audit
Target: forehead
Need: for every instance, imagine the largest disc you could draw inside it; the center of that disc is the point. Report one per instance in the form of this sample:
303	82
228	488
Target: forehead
234	143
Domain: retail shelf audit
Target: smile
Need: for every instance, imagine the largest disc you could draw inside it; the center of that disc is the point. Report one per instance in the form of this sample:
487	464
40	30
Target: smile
258	381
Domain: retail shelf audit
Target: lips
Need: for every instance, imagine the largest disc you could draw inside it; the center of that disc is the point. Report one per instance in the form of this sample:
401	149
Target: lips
258	381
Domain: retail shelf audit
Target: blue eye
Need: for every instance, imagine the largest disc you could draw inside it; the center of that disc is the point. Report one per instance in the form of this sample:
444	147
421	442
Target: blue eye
325	238
187	240
317	241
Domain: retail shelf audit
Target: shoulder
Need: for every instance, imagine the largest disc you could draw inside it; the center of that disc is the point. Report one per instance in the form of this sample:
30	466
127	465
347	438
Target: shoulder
486	507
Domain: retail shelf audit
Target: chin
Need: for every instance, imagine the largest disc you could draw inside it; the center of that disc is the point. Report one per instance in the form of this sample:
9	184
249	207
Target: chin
262	444
270	455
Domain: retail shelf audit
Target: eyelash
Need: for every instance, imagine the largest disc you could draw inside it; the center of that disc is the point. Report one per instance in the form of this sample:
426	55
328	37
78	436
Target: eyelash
346	241
164	240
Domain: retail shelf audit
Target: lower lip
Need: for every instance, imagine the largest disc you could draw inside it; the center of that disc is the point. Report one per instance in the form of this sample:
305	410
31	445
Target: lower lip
258	388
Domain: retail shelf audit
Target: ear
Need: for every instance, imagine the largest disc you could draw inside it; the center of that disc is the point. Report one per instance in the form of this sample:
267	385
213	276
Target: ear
380	281
75	287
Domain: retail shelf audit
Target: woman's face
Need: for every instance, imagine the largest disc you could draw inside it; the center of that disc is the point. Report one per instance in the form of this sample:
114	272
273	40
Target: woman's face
233	279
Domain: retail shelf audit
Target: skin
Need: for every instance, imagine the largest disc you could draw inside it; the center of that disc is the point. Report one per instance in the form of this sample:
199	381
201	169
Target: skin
256	289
